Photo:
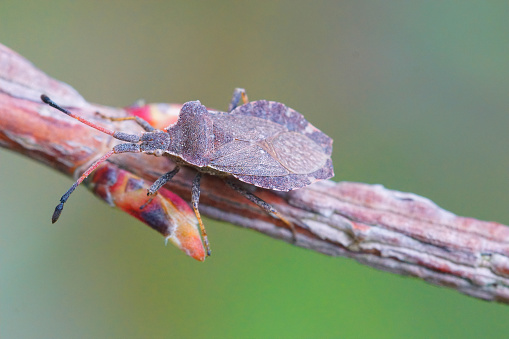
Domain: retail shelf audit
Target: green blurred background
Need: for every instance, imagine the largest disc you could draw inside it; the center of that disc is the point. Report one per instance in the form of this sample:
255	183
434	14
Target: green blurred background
415	95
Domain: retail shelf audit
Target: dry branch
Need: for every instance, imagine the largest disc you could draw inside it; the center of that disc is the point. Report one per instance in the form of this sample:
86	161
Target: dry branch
398	232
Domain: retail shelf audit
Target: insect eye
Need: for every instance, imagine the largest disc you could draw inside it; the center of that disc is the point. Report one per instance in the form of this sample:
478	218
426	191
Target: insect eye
158	152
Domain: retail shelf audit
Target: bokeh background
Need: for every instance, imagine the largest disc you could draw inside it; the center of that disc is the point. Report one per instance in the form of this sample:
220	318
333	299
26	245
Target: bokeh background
415	95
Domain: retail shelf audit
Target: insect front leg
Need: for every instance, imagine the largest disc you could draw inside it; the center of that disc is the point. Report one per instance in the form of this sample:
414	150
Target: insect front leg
238	93
160	182
143	123
263	205
163	179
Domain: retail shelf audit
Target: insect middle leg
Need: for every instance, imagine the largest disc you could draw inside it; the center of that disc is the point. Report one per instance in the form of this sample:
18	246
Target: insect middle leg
143	123
195	199
263	205
238	93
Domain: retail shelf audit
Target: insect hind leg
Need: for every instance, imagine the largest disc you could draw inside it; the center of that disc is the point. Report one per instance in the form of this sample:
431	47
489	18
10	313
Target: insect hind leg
264	206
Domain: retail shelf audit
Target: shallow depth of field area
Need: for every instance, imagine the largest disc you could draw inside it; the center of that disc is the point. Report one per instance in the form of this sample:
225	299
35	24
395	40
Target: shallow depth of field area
414	96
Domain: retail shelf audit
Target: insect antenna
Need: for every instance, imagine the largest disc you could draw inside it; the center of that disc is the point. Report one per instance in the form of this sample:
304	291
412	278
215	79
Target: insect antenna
130	147
63	199
117	135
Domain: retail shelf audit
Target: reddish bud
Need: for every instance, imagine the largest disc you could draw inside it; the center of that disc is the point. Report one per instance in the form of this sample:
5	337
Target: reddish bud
166	212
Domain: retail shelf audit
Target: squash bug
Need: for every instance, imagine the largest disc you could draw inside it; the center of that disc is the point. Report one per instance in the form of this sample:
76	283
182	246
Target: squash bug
263	143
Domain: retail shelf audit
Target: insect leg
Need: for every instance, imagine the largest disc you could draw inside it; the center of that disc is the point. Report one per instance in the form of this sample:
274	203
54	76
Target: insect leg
263	205
117	135
163	179
238	93
122	148
195	198
143	123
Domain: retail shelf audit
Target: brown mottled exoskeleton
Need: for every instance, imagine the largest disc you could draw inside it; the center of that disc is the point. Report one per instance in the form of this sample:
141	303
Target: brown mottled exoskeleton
263	143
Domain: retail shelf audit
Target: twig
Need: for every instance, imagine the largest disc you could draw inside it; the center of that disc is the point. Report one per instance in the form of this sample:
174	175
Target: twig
398	232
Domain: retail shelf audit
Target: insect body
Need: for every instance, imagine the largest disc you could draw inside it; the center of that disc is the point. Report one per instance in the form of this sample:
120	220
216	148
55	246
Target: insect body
263	143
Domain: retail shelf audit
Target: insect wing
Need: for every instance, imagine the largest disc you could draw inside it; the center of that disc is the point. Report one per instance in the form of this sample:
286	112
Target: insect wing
246	158
241	127
287	117
269	145
297	153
